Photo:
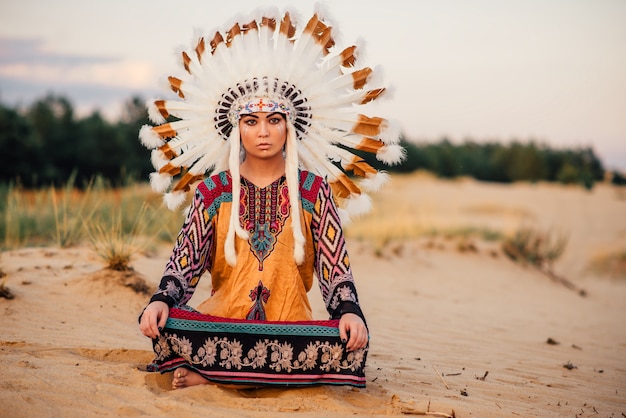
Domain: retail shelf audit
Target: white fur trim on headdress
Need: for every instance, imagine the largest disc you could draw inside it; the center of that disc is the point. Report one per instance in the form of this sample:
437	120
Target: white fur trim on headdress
160	182
234	224
173	200
149	138
293	186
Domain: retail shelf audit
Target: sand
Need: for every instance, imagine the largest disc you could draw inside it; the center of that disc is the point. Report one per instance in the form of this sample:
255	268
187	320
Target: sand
456	330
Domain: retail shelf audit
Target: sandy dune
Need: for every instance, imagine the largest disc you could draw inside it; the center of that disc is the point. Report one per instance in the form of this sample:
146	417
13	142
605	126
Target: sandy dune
461	333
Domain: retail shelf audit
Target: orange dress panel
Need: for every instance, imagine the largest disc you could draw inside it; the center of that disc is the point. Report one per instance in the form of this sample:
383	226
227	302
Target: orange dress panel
286	283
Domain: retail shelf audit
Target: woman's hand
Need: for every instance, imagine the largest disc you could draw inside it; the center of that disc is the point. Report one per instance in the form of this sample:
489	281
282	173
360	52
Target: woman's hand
352	325
154	317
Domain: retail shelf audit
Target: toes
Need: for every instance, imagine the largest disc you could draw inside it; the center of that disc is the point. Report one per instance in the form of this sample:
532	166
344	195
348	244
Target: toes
178	380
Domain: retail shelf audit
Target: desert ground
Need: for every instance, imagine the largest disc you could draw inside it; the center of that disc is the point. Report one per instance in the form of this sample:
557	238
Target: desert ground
457	328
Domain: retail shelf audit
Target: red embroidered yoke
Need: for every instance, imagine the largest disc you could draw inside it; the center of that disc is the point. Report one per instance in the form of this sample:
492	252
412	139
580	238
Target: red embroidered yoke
266	283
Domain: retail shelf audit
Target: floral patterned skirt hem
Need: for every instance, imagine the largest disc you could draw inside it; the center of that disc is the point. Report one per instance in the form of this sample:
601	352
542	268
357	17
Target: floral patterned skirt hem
257	353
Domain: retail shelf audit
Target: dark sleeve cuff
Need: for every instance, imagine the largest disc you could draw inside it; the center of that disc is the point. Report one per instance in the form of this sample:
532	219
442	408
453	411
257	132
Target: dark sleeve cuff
162	298
349	307
158	297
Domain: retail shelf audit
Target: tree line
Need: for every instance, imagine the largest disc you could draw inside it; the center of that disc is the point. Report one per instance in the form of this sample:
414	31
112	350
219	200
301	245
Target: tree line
506	163
47	144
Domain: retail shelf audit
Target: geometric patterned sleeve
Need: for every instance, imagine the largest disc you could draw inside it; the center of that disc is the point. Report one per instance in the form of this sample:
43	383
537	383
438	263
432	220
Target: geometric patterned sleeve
190	257
332	264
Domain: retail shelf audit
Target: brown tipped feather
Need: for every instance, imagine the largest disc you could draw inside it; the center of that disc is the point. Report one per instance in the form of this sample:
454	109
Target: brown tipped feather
344	187
369	145
326	40
165	131
286	26
167	151
200	48
160	105
368	126
372	95
175	84
170	169
185	182
347	56
359	77
217	39
232	34
250	26
360	168
186	61
321	32
311	25
269	22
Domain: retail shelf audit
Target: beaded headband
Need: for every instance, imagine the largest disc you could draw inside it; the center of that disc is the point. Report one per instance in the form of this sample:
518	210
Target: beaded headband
258	104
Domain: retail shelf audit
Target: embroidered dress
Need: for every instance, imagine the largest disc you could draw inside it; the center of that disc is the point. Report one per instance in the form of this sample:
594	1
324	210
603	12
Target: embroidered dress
257	327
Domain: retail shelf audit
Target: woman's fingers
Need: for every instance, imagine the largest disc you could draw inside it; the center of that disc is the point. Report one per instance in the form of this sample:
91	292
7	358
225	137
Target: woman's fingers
353	331
153	319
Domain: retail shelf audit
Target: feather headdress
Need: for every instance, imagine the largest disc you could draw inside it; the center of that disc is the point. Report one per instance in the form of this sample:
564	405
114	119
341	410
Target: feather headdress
318	86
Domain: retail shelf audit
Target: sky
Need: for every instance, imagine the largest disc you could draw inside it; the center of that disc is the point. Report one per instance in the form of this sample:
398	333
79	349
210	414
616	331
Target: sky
552	71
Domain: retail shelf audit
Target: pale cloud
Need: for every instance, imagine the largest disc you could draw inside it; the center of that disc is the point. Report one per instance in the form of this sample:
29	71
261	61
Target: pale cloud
25	60
129	74
33	52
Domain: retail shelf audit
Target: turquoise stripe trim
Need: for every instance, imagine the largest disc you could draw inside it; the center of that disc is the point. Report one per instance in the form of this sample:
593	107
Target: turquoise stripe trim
308	182
306	185
240	328
223	197
223	178
210	184
215	205
308	206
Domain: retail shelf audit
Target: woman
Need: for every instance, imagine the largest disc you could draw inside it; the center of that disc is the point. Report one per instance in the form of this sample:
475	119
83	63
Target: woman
263	136
273	117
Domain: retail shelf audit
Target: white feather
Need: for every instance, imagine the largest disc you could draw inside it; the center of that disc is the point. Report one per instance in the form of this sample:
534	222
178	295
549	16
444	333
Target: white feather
358	204
389	93
390	134
149	138
176	53
391	154
153	113
185	109
344	216
322	11
374	182
210	157
160	182
173	200
158	159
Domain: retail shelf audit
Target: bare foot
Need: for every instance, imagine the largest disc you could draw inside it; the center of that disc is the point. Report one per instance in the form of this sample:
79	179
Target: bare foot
184	377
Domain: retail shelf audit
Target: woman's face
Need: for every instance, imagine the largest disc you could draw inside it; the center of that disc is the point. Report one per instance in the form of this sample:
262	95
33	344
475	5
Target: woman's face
263	135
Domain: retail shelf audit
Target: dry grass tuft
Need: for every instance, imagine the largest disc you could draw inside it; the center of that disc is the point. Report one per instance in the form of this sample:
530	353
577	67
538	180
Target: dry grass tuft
50	216
539	249
611	264
535	247
116	243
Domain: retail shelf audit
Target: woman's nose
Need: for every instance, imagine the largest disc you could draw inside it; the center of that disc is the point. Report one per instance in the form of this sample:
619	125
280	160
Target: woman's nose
264	131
